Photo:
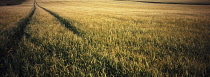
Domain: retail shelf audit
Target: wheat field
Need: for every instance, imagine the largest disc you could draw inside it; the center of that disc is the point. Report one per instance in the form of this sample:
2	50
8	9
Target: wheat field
105	38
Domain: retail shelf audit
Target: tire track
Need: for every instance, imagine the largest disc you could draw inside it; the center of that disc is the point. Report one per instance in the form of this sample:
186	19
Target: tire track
19	32
14	39
16	34
23	23
67	24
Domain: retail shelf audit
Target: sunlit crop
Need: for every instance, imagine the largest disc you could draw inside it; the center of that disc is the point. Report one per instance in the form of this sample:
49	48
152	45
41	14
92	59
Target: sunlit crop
106	38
